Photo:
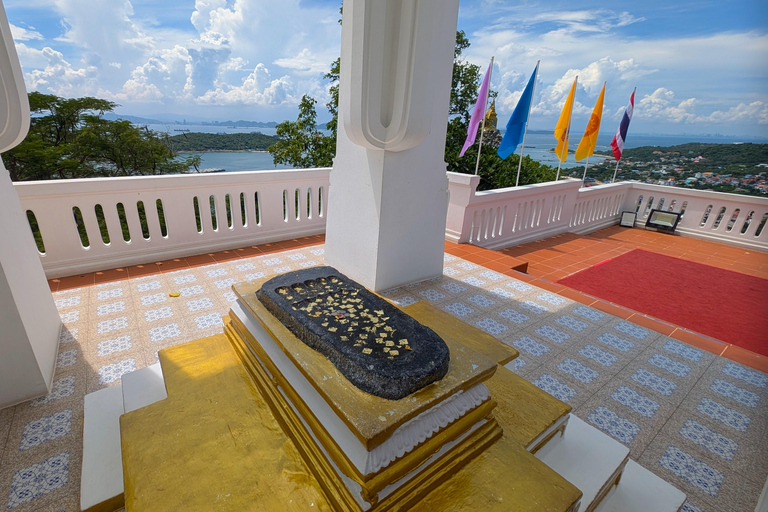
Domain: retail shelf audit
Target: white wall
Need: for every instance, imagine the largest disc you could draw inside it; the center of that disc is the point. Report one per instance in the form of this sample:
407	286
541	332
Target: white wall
29	322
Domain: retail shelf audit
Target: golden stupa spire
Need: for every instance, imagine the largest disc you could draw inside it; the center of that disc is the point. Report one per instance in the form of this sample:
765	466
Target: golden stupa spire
490	117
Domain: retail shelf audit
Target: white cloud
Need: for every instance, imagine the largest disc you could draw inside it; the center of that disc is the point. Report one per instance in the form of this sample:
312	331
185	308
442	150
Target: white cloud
23	34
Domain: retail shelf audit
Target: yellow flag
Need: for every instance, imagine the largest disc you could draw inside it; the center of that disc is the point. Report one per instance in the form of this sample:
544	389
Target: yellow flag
589	140
564	125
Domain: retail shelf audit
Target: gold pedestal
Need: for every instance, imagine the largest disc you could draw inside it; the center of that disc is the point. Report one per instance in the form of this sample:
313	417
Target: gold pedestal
230	436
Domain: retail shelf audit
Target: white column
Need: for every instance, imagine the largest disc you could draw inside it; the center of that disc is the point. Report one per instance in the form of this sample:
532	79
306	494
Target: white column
29	322
389	192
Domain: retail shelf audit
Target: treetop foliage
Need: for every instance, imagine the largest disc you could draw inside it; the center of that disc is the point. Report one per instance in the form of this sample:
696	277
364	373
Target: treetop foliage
69	138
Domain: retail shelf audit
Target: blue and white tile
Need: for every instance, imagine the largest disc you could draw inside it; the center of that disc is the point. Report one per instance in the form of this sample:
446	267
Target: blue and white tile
669	365
165	333
473	281
481	300
637	402
554	300
111	373
112	293
458	309
502	294
110	308
551	334
613	424
520	287
62	389
491	326
67	301
201	304
709	439
586	313
598	355
69	335
554	387
692	470
515	316
533	349
578	371
39	479
432	295
654	382
67	358
618	343
491	275
451	272
453	287
717	411
573	324
705	478
534	308
755	378
209	322
151	299
633	332
735	393
114	345
46	429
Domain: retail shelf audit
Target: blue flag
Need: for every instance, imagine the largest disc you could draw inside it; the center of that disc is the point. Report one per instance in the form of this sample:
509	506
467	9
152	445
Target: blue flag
515	132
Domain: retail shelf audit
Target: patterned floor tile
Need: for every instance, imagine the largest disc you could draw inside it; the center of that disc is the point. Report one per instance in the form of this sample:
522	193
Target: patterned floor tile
111	373
555	388
709	439
39	479
632	399
611	423
692	470
45	429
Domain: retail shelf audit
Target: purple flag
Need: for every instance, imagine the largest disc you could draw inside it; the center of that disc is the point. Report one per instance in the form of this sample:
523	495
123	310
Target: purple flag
478	112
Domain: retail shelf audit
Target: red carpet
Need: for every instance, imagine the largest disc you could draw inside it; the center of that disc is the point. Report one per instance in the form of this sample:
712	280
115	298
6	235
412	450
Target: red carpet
721	304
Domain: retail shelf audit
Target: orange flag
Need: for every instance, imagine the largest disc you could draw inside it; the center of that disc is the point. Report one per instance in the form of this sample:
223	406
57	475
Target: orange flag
563	128
589	140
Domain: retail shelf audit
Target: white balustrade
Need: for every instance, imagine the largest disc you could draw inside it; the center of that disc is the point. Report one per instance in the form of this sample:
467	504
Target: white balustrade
145	219
716	216
136	220
512	216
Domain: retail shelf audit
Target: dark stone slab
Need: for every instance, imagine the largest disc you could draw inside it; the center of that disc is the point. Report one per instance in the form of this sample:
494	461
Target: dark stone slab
380	349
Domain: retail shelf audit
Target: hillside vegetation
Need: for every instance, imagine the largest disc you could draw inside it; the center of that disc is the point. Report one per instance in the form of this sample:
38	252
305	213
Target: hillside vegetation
222	141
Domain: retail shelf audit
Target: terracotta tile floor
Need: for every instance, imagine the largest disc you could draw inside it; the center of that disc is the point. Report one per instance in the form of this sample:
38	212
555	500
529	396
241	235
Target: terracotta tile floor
627	377
557	257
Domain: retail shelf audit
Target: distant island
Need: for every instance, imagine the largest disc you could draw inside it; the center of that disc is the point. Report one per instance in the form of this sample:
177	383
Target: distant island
740	168
195	141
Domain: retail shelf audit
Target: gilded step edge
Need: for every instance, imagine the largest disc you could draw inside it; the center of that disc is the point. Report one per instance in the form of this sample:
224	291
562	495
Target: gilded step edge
378	481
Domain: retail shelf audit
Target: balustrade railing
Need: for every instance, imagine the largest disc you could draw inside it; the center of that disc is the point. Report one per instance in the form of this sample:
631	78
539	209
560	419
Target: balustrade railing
96	224
504	217
716	216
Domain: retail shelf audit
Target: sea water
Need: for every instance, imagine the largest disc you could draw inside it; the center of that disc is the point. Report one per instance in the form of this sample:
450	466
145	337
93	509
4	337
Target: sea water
538	146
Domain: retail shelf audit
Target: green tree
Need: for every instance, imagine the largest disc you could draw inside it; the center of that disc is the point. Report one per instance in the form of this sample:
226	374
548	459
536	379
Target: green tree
301	143
68	138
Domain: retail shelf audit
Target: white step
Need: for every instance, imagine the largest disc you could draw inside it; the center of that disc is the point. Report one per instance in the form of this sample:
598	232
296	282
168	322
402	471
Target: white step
640	491
102	473
586	457
143	387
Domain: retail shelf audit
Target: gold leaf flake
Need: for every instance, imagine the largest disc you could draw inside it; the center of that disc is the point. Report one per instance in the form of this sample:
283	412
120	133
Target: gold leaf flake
379	312
386	349
332	329
367	351
390	343
394	352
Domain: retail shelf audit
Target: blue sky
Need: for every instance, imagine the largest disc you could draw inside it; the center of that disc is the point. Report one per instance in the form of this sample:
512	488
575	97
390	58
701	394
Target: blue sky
699	66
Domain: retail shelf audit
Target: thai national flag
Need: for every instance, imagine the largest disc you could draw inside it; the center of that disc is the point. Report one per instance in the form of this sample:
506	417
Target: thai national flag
621	134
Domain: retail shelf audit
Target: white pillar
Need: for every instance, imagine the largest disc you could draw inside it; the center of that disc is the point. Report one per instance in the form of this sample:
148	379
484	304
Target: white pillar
389	192
29	322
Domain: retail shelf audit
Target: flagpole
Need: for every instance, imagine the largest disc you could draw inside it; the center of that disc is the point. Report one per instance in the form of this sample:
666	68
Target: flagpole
482	126
617	170
525	131
585	171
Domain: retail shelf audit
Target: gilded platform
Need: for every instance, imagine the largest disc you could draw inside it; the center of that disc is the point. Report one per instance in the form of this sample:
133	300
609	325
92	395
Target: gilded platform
214	444
372	419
